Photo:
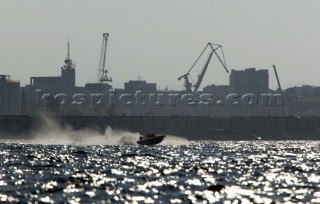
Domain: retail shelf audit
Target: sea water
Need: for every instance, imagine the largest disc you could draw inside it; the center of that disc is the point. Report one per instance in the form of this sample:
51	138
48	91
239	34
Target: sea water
177	171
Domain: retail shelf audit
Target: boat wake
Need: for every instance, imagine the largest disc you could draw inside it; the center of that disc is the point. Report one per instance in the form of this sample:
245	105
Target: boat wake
51	133
86	137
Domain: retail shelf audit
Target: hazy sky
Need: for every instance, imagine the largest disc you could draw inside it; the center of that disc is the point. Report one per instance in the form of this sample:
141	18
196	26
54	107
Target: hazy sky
160	40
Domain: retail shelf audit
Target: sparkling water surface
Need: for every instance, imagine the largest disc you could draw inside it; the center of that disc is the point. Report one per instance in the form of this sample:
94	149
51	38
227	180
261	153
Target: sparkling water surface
196	172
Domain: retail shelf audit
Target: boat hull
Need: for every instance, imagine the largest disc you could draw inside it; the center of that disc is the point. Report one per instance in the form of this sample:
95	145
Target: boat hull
151	140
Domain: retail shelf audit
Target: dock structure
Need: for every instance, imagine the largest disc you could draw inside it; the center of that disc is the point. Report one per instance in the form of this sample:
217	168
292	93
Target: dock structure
192	128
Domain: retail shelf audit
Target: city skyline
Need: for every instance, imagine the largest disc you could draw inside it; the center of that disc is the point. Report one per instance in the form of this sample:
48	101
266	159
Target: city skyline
159	41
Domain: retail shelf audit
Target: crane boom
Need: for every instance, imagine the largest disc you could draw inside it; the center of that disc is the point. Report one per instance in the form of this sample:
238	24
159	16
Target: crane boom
201	75
223	63
196	86
102	77
278	81
285	108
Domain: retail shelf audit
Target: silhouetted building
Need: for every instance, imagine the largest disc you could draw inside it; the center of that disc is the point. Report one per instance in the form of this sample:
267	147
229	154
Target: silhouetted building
249	81
9	96
140	85
305	90
304	100
216	89
64	84
98	87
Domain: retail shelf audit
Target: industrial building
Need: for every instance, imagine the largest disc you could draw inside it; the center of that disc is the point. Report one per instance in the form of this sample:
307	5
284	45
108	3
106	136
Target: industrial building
139	85
9	96
249	81
301	100
65	83
216	89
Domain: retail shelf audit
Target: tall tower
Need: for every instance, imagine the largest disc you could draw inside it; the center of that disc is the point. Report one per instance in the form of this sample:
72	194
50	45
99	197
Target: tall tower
68	75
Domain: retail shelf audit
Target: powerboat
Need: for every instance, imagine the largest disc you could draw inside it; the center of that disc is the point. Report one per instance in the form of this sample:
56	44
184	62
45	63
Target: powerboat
150	139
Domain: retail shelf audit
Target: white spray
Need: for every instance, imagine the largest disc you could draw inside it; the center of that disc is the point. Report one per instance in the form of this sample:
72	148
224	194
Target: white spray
51	132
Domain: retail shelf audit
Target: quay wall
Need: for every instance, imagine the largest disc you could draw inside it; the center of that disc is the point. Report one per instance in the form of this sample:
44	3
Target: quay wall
193	128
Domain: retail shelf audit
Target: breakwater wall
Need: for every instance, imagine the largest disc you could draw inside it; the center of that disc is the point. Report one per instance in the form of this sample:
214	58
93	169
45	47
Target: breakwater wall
193	128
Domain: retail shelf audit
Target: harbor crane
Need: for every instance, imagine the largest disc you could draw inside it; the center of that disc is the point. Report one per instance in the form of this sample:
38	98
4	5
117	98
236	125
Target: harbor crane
278	81
196	86
102	75
285	108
